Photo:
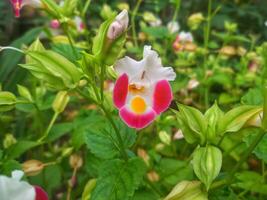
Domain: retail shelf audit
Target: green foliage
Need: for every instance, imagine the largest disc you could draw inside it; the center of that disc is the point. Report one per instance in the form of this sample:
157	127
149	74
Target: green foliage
261	150
118	179
56	70
20	147
233	120
7	101
251	181
192	123
207	163
104	142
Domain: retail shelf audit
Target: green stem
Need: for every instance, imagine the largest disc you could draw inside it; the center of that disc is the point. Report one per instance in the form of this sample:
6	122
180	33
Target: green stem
86	6
109	117
206	43
245	155
177	8
66	31
264	119
133	22
102	79
53	120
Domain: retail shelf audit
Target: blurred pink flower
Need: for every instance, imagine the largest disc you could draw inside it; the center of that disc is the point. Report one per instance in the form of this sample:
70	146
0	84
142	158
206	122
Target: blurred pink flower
18	4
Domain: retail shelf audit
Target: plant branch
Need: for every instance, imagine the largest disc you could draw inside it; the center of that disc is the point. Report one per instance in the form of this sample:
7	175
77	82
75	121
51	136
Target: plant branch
133	22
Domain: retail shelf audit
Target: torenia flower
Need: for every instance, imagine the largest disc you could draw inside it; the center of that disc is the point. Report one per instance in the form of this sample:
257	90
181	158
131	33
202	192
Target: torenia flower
79	24
12	188
142	90
119	25
18	4
183	41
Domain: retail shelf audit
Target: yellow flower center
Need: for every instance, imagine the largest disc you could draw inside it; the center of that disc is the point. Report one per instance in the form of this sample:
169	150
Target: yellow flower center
138	105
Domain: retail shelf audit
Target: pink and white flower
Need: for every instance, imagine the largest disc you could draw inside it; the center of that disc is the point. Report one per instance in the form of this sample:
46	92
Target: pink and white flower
181	40
18	4
142	90
79	24
12	188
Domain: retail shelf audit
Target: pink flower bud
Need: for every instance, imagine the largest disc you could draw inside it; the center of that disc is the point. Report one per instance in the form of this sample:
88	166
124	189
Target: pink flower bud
54	24
118	26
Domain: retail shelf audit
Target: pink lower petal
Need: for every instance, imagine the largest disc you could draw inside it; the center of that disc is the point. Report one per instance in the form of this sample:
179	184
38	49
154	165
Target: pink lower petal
120	91
40	193
162	96
137	121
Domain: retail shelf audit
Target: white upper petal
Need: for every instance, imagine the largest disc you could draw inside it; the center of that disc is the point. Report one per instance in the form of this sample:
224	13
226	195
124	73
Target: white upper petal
149	70
185	37
34	3
13	189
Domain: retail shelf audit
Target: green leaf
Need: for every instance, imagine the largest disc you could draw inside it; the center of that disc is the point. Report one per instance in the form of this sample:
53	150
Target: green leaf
213	116
7	101
69	7
9	166
35	46
104	142
157	32
59	130
86	120
193	123
53	68
52	8
25	93
90	185
253	97
207	162
100	38
20	147
235	119
118	179
9	59
251	181
261	149
173	171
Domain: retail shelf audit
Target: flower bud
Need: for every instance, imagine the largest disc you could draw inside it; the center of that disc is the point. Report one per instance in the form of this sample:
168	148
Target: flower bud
178	135
54	24
60	101
195	20
32	167
75	161
165	137
228	51
118	26
143	154
9	140
241	51
153	176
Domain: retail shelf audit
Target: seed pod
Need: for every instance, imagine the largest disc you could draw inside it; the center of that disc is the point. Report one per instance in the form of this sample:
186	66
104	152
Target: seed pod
207	162
9	140
32	167
187	190
60	101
